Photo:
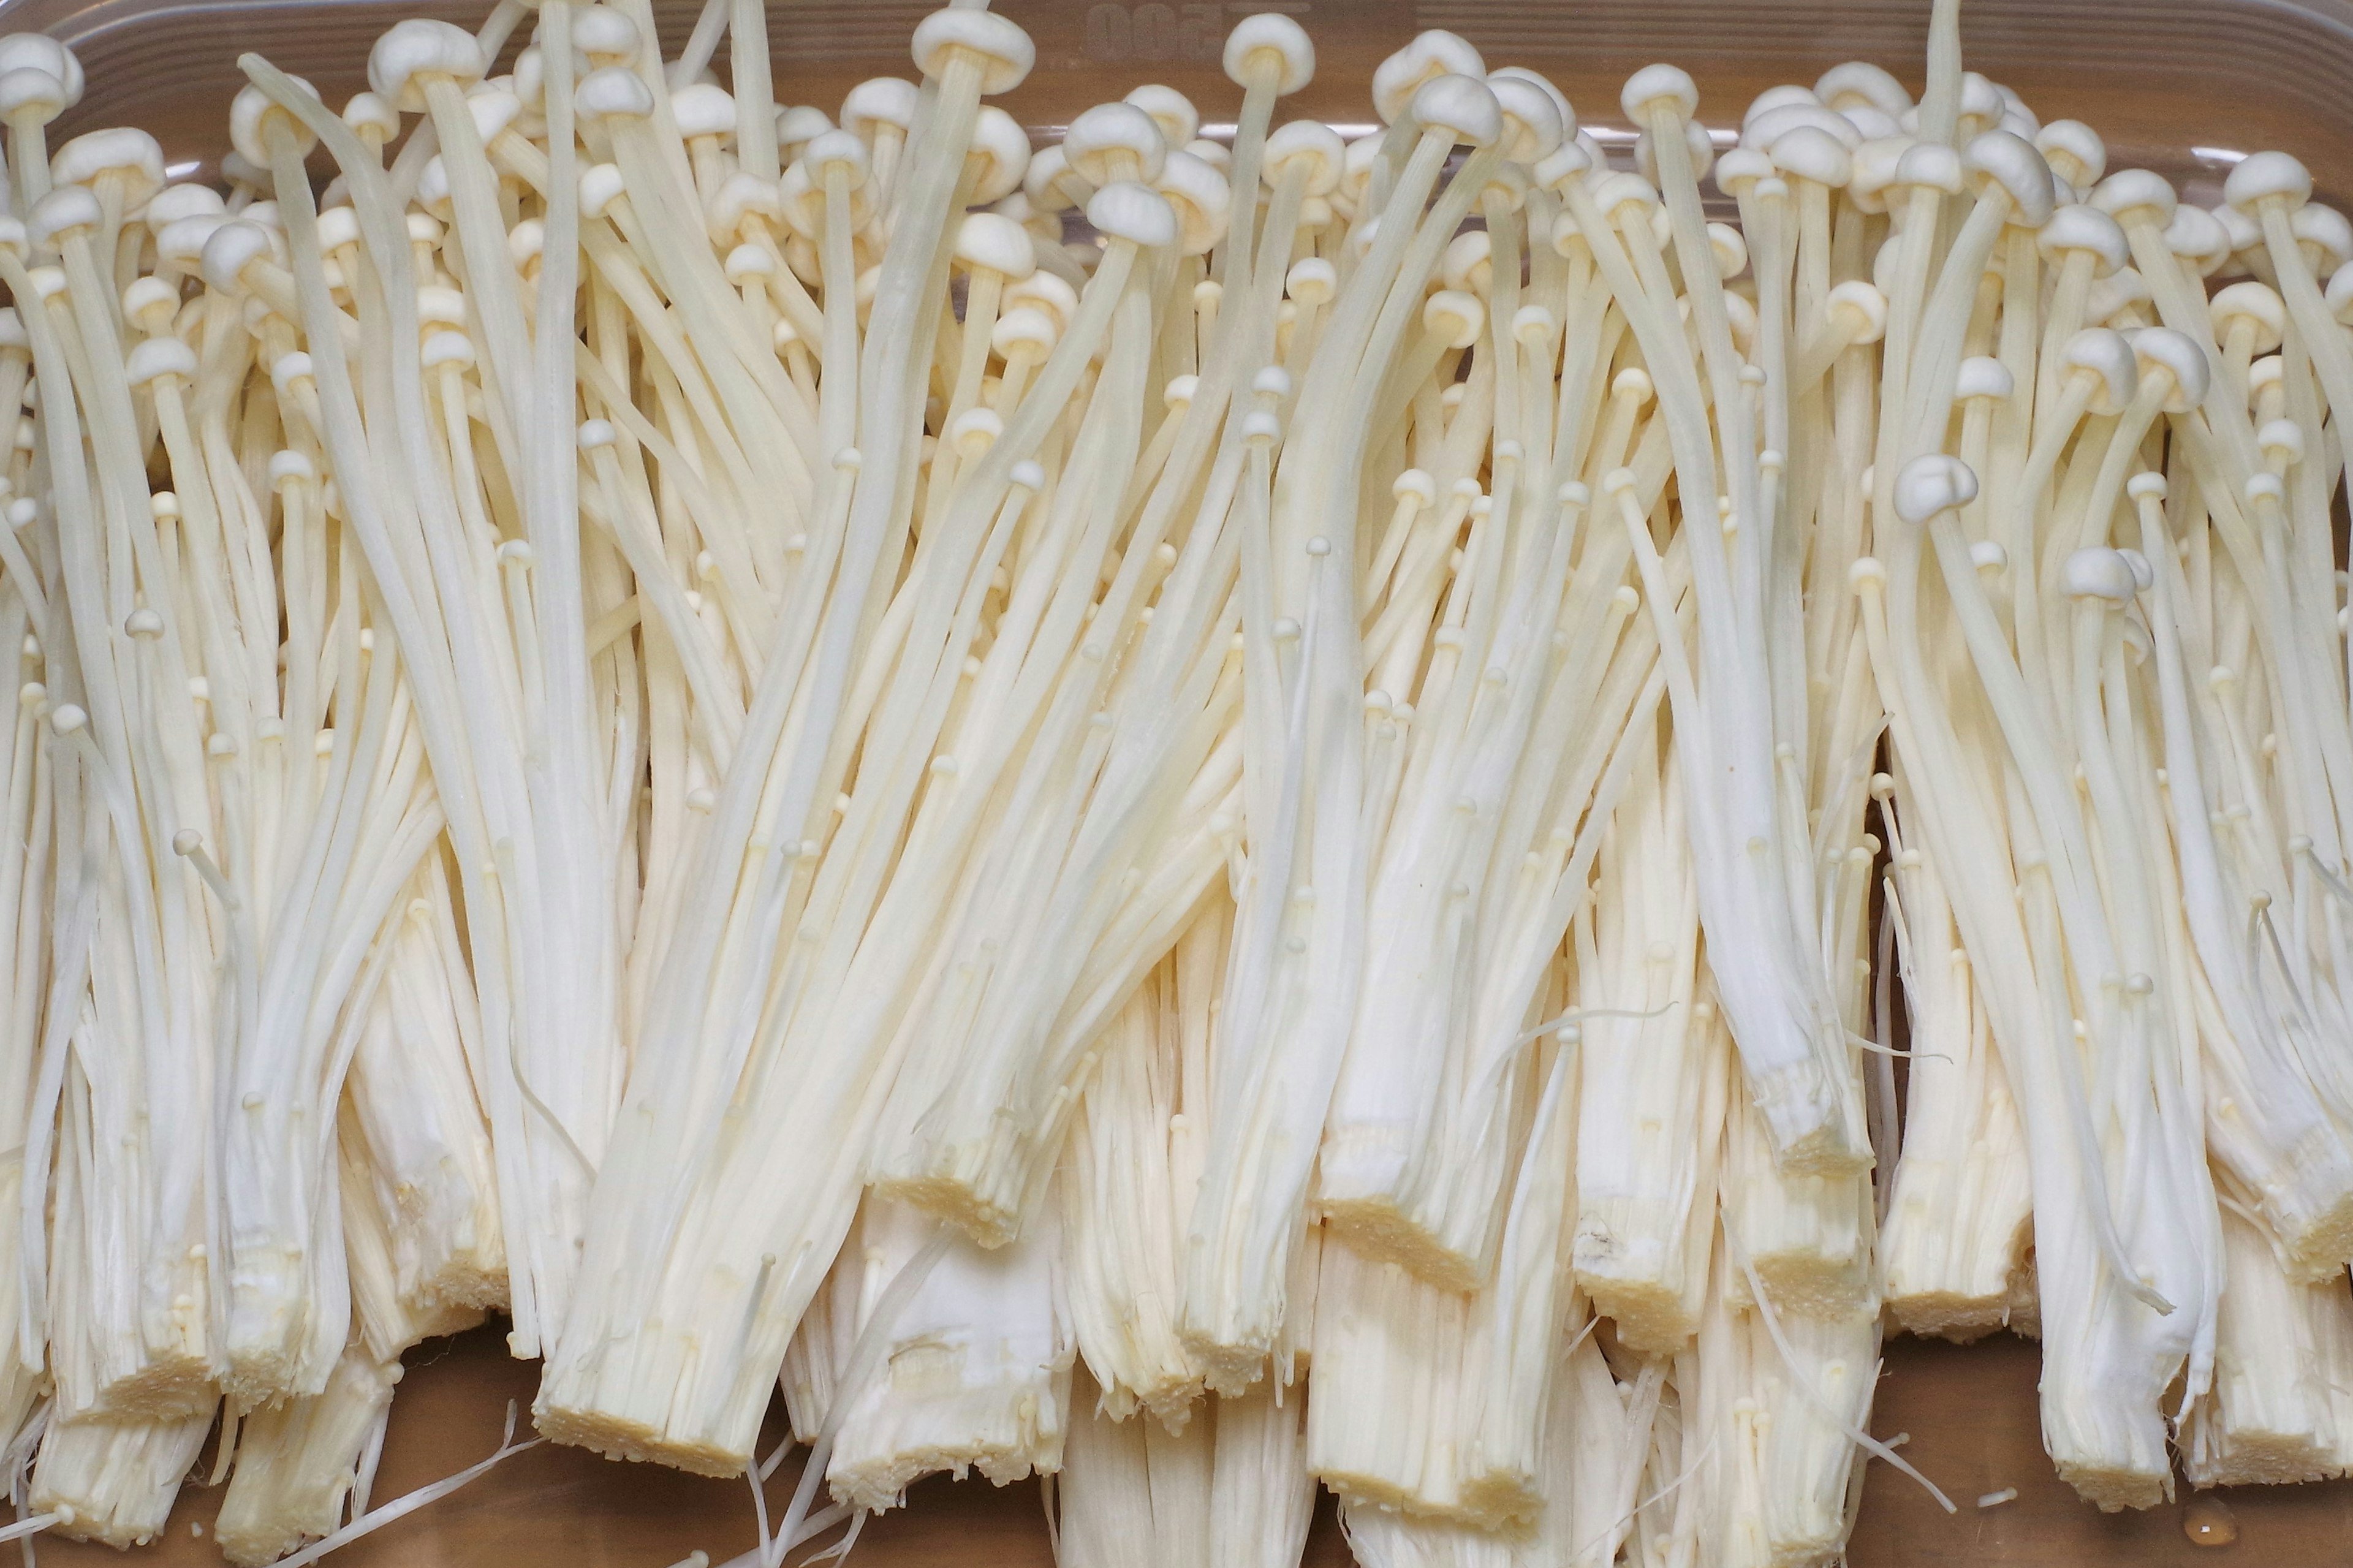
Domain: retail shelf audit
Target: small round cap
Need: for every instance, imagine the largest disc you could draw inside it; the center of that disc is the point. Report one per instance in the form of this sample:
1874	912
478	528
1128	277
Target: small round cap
1463	105
1933	483
1432	54
1270	34
2105	355
2000	159
1655	85
2179	356
998	244
702	109
421	48
872	103
2261	178
1984	377
1861	83
1004	51
2079	227
1136	214
1308	145
2100	572
1170	110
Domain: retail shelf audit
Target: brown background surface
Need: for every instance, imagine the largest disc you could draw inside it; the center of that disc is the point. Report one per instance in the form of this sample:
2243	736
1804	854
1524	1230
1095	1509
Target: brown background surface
1970	1411
2168	82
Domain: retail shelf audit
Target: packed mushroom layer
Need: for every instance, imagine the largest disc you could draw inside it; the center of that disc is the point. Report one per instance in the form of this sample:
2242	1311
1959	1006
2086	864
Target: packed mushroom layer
1412	821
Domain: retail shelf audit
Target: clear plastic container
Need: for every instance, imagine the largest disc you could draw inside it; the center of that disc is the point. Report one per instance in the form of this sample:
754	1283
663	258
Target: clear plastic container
2185	87
2180	86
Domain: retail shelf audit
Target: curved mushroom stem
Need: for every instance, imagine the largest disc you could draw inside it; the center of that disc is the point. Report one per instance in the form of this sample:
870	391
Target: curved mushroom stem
2063	321
1940	104
2090	954
28	151
755	98
464	738
1937	358
1250	122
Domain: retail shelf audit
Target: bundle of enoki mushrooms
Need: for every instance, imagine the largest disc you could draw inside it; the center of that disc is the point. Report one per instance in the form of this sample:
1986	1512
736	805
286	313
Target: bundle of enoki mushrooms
1201	814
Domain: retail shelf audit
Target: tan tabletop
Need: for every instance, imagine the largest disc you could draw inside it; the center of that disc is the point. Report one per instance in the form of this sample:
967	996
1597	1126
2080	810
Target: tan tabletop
1970	1413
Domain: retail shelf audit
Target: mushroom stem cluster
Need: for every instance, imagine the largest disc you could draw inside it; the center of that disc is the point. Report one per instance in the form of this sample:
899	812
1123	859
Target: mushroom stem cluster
1209	815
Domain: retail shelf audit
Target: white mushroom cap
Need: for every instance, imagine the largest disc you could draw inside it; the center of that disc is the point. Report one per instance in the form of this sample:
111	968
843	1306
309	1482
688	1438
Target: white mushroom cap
1048	293
878	101
1861	82
1170	110
1932	483
2105	355
29	92
124	152
2175	354
1126	211
1655	85
1432	54
1810	153
2339	293
1270	33
1463	105
62	210
604	32
1005	52
1981	101
2198	237
1774	97
2264	177
233	246
367	111
1311	280
1201	199
998	244
2260	306
1531	119
2074	151
2099	572
614	92
1762	131
173	203
150	294
1863	307
1468	261
1456	317
740	197
1737	172
1026	328
1309	144
1981	376
1003	147
836	149
38	51
2078	227
2319	225
1999	160
702	109
160	357
494	108
421	48
1932	165
2130	195
1098	137
799	125
181	241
